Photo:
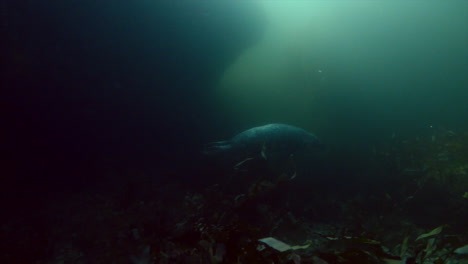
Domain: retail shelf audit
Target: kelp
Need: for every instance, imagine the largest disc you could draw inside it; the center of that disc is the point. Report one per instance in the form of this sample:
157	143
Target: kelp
461	250
280	245
433	232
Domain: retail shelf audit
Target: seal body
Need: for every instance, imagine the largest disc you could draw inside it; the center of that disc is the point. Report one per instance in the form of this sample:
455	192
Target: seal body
275	143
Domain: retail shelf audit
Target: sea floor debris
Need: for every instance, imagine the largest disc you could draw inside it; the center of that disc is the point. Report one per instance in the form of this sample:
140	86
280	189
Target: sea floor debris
258	223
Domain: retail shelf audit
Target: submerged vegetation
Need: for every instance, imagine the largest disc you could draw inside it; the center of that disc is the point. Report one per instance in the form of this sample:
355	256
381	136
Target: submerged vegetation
418	215
106	106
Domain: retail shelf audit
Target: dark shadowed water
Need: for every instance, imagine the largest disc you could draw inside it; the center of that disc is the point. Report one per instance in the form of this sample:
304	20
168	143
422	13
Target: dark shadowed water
106	107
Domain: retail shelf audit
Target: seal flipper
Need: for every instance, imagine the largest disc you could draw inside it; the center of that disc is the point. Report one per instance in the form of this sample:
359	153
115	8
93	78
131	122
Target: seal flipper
237	166
217	147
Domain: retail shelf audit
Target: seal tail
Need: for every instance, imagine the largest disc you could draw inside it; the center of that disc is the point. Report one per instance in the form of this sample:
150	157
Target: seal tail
215	148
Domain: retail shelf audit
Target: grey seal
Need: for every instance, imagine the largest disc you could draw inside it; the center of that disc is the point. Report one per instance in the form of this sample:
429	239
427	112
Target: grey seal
278	144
